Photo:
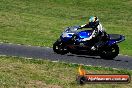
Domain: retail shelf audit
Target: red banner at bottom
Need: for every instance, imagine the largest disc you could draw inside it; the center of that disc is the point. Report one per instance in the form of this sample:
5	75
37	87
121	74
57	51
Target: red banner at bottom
103	78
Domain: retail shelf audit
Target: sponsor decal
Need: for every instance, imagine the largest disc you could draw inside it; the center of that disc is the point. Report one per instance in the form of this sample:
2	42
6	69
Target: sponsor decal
83	77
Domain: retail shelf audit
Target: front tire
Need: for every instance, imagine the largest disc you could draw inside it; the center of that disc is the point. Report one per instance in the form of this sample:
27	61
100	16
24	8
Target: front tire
59	48
109	52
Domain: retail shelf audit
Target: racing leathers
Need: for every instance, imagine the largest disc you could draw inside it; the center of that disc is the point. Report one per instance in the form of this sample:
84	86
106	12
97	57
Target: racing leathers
98	31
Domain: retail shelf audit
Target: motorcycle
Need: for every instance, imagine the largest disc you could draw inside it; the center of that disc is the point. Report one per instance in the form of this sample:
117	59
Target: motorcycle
71	40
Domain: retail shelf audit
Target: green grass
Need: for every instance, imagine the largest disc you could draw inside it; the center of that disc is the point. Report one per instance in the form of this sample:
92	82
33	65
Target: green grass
18	72
40	22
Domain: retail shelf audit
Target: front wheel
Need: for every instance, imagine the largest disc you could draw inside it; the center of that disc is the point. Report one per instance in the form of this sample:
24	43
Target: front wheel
109	52
59	48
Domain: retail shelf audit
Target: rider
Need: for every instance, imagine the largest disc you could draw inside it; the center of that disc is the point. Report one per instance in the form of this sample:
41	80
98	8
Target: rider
98	30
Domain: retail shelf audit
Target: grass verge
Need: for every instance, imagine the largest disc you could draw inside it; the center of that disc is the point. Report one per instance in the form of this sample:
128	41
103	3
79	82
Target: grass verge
18	72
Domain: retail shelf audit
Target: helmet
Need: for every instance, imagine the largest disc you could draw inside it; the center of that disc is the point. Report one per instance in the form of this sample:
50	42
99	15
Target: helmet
93	21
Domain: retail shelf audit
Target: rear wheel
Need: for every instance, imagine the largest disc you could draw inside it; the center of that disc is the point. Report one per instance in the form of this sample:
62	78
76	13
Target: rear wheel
109	52
59	48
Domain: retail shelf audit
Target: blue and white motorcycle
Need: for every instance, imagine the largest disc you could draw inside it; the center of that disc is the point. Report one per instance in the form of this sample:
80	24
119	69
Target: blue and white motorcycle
71	41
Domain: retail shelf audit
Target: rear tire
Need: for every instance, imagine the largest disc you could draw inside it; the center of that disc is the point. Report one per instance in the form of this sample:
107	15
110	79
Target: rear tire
110	52
59	48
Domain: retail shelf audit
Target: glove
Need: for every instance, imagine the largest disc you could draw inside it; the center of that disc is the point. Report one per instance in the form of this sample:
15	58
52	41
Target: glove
79	27
83	25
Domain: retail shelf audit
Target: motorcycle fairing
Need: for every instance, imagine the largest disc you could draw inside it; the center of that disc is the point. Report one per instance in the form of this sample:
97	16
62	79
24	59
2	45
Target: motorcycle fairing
66	36
84	34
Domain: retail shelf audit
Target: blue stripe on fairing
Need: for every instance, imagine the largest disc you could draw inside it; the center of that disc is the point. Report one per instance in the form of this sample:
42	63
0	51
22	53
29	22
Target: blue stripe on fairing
85	34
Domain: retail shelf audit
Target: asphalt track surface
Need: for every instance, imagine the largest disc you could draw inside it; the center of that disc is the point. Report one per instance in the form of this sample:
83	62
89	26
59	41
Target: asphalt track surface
120	62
